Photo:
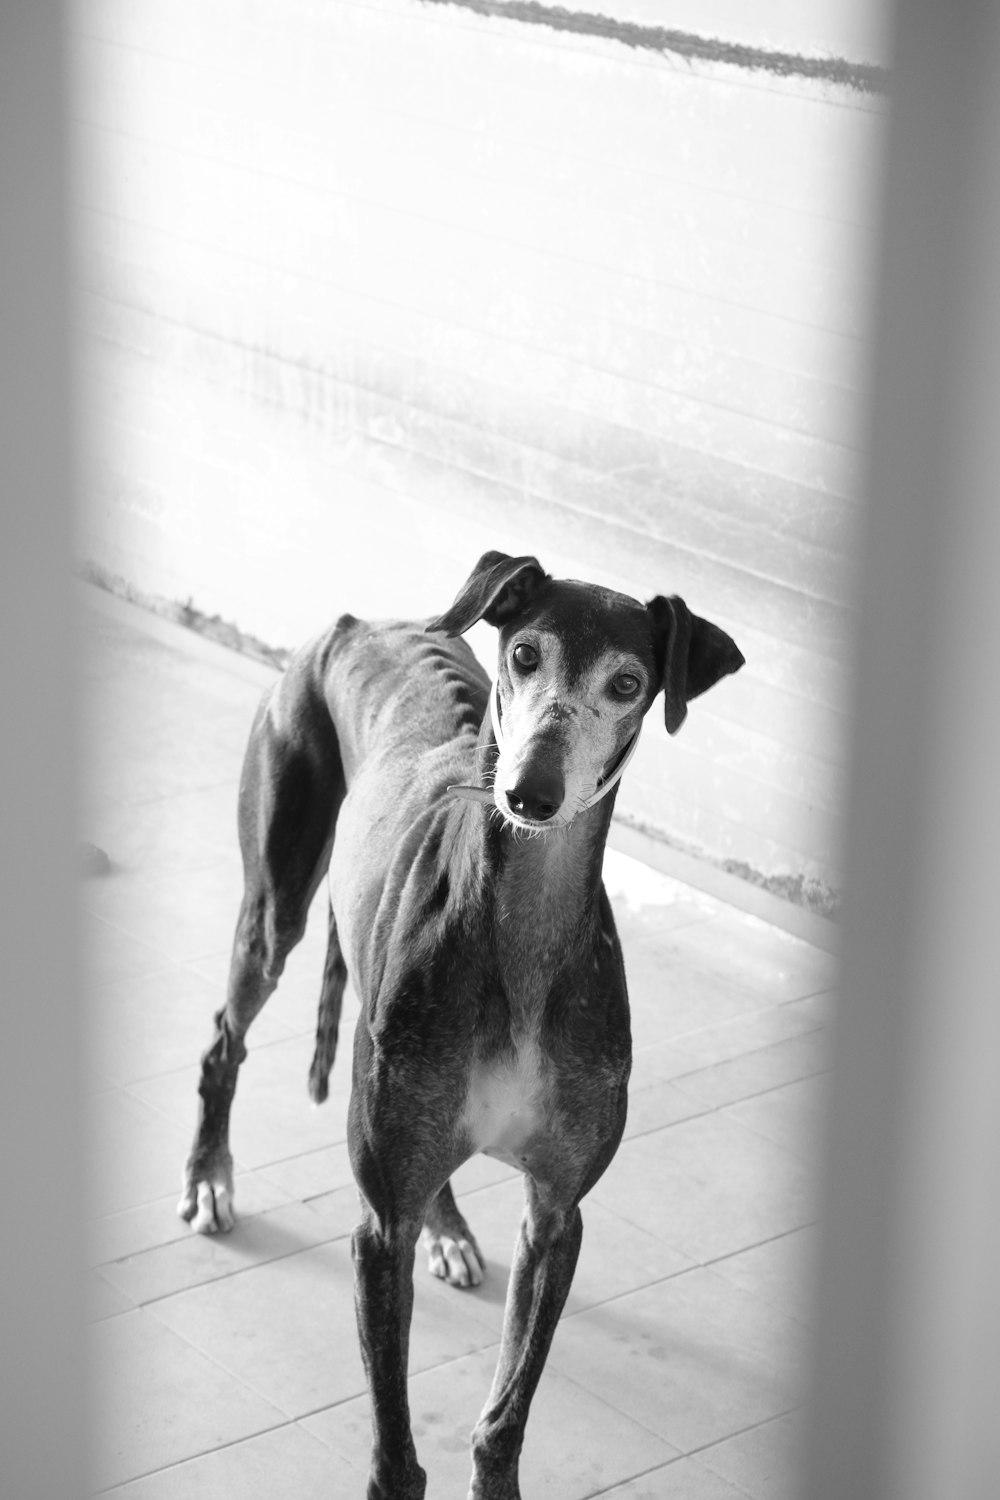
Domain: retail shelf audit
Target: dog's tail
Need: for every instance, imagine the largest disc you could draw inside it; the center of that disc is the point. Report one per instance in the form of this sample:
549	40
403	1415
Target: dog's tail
328	1020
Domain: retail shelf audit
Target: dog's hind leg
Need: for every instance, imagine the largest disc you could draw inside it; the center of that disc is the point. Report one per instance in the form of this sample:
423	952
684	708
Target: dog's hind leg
452	1252
291	789
328	1021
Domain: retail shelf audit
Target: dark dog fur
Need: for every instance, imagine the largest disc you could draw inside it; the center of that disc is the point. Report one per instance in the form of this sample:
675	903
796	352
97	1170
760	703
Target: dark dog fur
494	1014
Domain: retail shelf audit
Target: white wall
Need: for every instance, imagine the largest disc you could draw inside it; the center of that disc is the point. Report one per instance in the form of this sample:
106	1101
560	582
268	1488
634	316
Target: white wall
374	287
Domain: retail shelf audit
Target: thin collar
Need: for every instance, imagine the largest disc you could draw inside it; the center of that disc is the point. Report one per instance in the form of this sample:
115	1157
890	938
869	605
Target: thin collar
604	784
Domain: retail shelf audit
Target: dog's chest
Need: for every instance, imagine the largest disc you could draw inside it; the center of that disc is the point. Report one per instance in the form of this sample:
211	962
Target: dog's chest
507	1104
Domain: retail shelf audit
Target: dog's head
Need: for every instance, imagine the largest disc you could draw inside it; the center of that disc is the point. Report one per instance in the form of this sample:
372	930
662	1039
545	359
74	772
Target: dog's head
578	667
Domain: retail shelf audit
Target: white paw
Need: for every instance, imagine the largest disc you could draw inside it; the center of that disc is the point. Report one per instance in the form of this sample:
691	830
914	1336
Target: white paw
209	1209
456	1261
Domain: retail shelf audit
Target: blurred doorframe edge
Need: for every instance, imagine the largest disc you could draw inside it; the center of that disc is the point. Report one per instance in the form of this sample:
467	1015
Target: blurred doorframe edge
42	1372
906	1366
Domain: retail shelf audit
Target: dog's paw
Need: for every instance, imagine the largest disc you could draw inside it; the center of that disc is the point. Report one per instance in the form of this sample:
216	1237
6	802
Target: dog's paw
208	1207
457	1261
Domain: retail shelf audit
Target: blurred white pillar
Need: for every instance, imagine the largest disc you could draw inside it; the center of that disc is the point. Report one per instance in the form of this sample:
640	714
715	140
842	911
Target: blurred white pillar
41	1367
906	1398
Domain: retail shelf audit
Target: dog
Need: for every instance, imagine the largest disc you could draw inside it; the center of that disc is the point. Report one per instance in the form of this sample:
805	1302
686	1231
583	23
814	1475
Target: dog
466	901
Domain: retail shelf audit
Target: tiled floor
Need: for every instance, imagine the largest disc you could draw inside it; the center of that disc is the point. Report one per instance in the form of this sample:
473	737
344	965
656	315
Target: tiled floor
229	1366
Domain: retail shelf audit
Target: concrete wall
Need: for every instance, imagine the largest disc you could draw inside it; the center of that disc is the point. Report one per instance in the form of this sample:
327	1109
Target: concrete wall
372	287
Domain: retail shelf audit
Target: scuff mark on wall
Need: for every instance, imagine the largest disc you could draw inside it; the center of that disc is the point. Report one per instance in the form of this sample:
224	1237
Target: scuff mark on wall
867	78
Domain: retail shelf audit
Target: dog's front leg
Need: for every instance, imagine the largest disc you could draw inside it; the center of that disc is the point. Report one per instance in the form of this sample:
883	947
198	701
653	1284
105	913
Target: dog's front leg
383	1289
544	1261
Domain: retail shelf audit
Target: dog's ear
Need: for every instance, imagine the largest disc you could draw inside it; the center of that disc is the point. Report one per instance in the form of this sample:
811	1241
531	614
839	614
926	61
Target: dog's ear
495	591
691	654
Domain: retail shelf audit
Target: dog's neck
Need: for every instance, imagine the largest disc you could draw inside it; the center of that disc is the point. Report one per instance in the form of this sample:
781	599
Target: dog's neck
547	885
546	882
547	909
551	878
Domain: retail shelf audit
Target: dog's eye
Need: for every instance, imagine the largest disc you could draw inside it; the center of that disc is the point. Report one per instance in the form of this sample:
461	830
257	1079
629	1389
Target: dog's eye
626	684
526	656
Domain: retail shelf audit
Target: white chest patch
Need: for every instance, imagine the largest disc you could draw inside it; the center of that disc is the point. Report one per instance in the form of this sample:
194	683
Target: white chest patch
506	1105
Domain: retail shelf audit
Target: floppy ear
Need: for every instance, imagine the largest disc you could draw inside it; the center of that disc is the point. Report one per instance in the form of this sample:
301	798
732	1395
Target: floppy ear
691	653
495	591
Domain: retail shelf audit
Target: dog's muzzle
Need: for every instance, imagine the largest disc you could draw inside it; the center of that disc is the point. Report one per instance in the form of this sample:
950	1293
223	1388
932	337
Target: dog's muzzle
611	776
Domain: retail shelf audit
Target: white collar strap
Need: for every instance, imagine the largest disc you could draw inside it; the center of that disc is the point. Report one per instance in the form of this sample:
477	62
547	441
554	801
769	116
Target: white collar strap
604	785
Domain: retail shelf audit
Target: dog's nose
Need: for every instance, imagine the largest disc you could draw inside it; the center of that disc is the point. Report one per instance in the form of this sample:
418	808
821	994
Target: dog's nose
537	797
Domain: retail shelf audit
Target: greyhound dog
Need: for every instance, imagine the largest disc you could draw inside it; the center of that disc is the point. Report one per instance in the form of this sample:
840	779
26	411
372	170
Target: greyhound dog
466	896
